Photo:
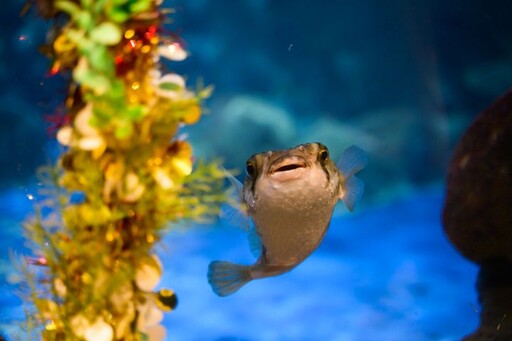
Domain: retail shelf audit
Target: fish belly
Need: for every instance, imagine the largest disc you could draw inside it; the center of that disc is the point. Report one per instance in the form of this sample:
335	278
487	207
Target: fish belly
293	225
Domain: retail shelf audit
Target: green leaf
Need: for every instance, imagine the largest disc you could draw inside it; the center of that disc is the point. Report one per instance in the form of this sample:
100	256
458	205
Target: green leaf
77	37
69	7
117	92
98	6
84	20
124	129
86	3
140	6
102	115
135	112
205	92
170	86
106	33
118	15
94	80
99	59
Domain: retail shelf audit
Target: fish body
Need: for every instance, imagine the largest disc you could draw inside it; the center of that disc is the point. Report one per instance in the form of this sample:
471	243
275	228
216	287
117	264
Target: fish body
290	196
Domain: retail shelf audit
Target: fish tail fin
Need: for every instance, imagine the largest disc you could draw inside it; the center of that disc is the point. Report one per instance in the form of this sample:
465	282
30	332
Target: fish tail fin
352	161
225	278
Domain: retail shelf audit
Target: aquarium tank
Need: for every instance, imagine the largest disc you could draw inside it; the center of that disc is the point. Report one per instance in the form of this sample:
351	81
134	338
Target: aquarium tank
170	167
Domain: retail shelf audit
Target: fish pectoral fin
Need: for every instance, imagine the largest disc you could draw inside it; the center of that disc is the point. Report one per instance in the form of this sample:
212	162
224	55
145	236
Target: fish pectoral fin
225	278
235	216
354	188
255	243
352	161
238	187
234	212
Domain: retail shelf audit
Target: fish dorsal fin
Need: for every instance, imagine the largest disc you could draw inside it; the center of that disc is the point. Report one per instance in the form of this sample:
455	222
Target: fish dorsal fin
255	243
354	188
234	212
352	161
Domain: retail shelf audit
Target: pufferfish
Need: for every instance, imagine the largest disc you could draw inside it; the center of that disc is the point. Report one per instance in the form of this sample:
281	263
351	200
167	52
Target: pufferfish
290	196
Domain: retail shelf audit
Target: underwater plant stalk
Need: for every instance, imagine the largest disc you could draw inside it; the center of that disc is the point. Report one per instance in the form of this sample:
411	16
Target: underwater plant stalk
123	177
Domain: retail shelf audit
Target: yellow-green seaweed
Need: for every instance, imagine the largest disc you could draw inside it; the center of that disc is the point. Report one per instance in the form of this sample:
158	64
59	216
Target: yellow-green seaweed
94	267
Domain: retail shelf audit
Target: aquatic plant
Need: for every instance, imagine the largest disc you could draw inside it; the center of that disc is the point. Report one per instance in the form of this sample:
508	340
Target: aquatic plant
123	177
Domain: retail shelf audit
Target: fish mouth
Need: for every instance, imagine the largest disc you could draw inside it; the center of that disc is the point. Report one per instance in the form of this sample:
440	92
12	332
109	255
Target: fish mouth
287	164
290	167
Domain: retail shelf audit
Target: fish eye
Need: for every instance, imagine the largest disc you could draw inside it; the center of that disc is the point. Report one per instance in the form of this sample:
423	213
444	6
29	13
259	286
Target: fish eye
249	168
323	154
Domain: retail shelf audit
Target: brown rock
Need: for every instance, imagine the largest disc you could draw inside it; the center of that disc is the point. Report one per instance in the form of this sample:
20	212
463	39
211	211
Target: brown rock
477	215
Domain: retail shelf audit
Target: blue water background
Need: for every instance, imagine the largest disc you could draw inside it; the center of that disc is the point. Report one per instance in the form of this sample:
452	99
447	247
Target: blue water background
383	274
401	79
